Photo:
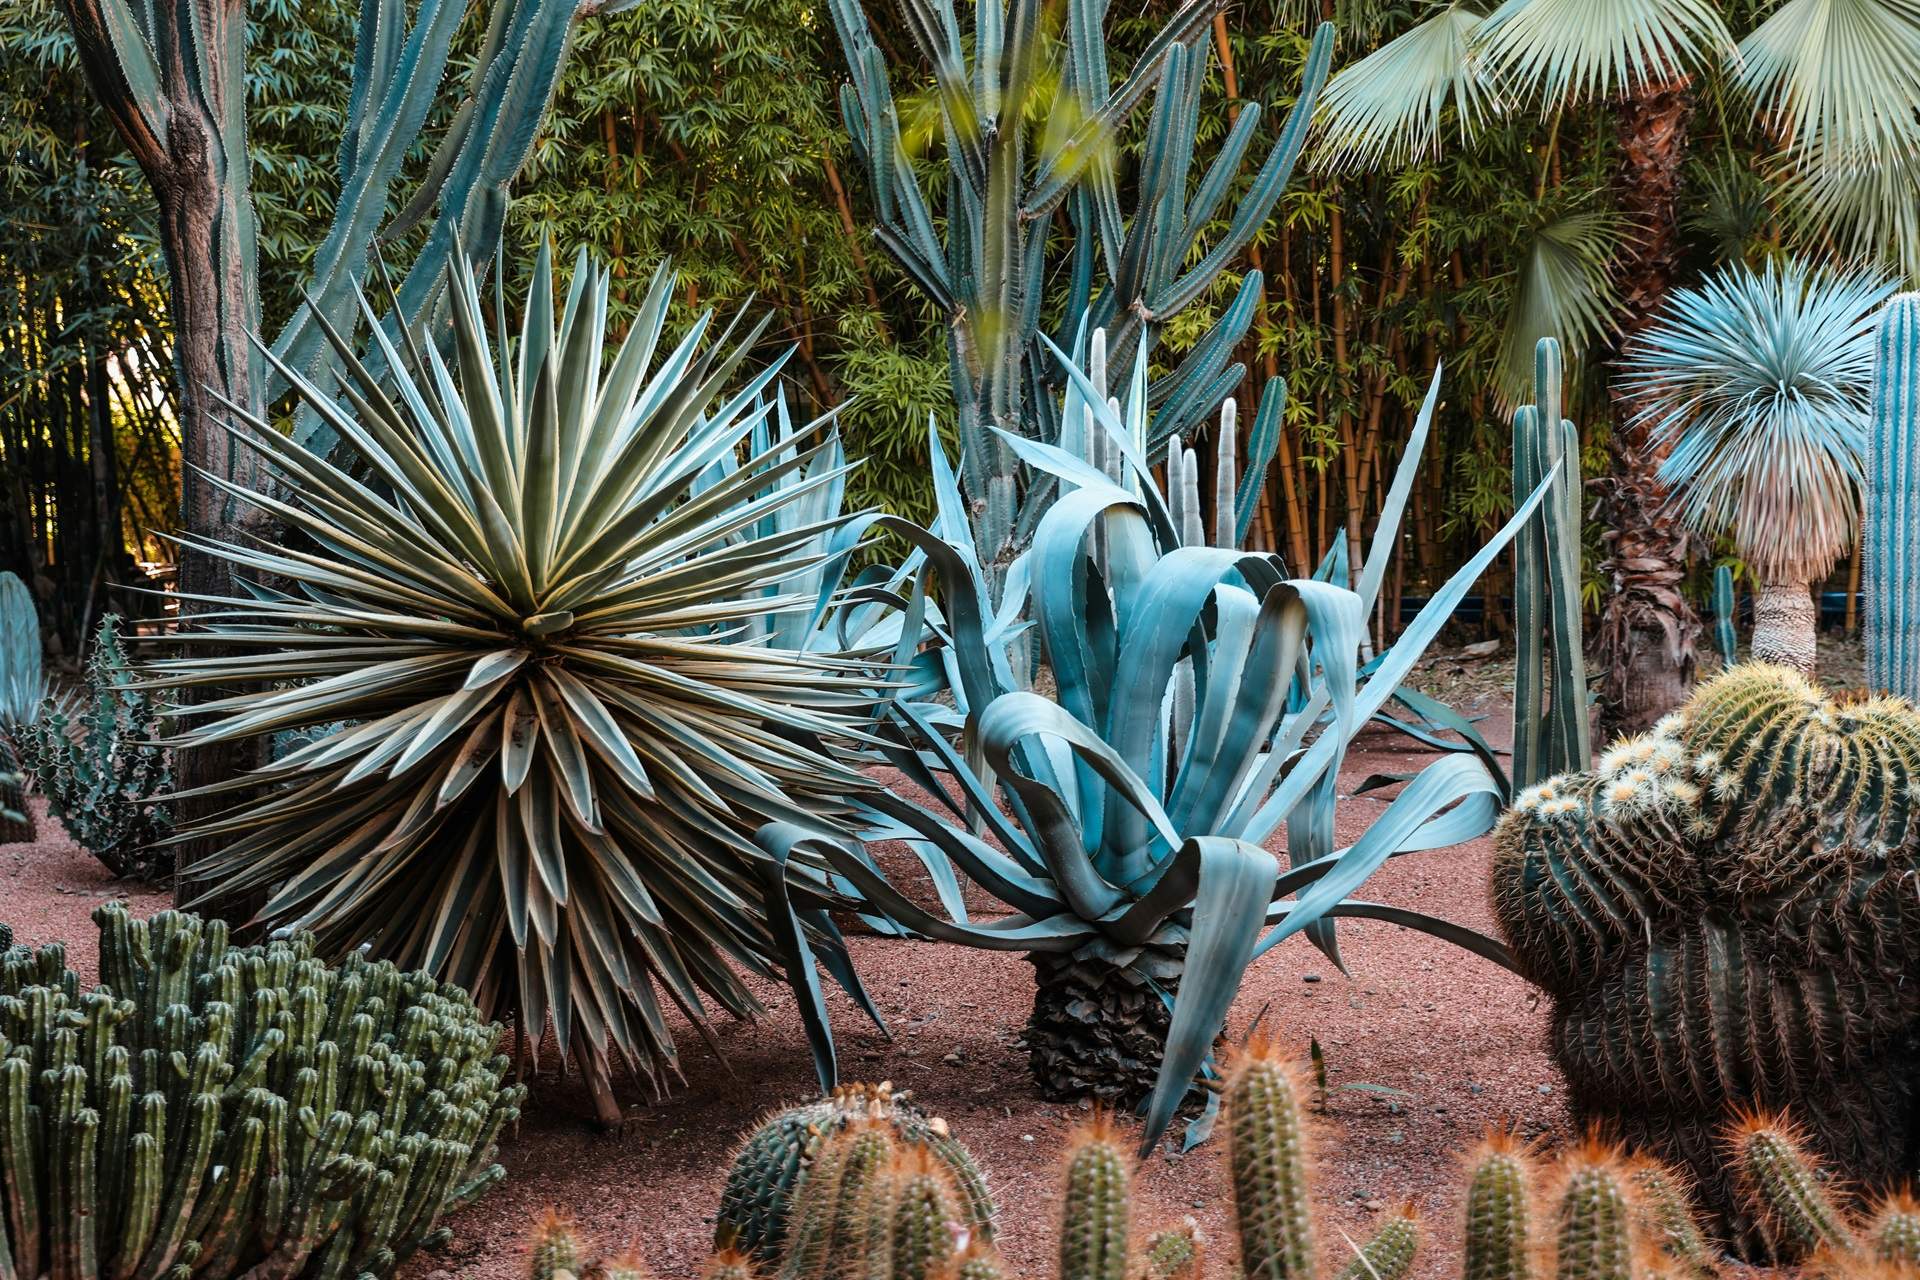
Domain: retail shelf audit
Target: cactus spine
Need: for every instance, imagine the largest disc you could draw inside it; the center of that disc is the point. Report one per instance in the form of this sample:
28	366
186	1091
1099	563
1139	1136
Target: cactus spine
1894	1230
1593	1227
1499	1211
1890	574
1388	1255
1174	1254
225	1110
1551	733
1096	1210
1771	1159
554	1250
1267	1153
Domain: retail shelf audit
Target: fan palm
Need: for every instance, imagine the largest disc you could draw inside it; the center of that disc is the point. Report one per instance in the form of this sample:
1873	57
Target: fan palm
1758	383
557	745
1837	81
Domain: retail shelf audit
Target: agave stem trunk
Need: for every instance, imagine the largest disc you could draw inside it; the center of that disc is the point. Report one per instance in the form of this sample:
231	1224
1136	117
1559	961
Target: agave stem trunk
599	1081
1098	1029
1786	625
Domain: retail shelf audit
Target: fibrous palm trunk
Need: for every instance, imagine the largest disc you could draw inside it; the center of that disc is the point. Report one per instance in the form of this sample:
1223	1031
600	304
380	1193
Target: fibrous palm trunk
1098	1029
1648	629
1785	625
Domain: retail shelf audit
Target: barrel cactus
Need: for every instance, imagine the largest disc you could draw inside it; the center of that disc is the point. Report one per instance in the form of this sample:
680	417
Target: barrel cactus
213	1111
1723	913
784	1149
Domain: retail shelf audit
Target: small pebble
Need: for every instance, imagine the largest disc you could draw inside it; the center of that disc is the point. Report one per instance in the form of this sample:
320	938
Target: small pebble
1376	1205
1546	1088
1026	1137
1310	977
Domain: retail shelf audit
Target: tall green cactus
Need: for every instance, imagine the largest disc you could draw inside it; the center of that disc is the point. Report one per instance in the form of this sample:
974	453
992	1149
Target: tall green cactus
982	259
216	1110
1720	903
1890	574
1096	1210
1551	732
1499	1211
1726	636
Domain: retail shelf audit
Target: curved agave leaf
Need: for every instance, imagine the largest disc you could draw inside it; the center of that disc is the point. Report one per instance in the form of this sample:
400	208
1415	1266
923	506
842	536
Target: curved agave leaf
541	619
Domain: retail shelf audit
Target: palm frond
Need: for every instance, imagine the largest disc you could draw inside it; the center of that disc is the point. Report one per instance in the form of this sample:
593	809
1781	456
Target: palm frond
1569	50
1564	290
1830	75
1863	206
1759	383
1390	108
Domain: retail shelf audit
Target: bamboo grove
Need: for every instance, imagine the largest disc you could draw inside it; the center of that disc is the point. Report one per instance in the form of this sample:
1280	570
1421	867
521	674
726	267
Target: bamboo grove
708	131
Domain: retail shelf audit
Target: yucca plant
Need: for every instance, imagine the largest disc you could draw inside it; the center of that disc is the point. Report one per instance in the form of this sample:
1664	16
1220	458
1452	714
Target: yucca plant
556	744
1204	700
1758	383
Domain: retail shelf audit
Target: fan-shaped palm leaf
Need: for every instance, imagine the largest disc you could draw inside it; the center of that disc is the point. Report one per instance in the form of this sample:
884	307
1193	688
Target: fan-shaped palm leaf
1832	75
1564	290
1390	107
557	746
1759	384
1864	206
1566	50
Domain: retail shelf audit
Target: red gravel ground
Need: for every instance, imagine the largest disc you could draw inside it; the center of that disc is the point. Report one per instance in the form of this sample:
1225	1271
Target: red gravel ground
1426	1047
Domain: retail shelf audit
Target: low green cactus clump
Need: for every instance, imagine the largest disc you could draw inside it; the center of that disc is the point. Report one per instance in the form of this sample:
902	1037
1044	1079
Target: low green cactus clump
214	1111
1724	915
757	1203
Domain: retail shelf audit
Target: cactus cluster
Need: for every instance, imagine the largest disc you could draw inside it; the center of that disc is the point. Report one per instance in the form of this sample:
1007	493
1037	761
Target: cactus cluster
213	1111
96	763
786	1148
1789	1188
1723	912
872	1204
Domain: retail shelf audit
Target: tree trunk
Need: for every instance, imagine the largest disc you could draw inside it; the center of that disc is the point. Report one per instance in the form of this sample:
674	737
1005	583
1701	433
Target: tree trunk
1648	629
1786	625
183	119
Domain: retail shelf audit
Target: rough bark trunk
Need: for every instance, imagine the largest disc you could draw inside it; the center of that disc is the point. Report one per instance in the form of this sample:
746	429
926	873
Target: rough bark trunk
1648	629
182	119
1097	1031
1786	625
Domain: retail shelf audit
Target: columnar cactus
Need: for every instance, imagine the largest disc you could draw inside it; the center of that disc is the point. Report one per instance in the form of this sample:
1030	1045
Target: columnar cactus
1726	635
22	687
1267	1152
96	763
1718	906
784	1148
1551	732
1790	1188
1499	1210
1096	1211
1593	1225
1890	574
219	1110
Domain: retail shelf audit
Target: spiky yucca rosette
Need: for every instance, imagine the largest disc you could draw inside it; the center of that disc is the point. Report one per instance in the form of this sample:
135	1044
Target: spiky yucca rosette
1726	913
525	614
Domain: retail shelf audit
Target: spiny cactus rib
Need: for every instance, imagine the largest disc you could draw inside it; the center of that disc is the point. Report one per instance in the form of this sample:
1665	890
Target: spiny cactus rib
979	1261
225	1110
1718	904
1785	1183
1593	1222
1894	1229
1095	1218
1267	1151
1499	1211
1667	1217
729	1264
763	1185
1890	574
555	1248
1388	1254
926	1216
1174	1254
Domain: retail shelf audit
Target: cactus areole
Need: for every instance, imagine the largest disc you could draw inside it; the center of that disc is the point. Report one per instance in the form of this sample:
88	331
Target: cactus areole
1724	914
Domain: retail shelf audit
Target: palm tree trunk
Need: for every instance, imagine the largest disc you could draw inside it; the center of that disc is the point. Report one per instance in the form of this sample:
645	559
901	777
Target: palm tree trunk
1786	625
1648	629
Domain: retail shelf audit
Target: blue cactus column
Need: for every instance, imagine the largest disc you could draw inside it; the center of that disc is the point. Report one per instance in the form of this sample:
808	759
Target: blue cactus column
1890	577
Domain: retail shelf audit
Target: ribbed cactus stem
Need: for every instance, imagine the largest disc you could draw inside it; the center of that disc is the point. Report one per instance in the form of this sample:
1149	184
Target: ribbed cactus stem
1267	1152
1593	1226
1174	1254
622	1266
1894	1230
555	1249
926	1217
1890	537
979	1261
1388	1254
1785	1184
729	1264
1096	1208
1668	1220
1498	1243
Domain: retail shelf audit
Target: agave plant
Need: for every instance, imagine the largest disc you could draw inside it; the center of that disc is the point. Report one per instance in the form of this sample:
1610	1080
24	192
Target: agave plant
526	615
1758	383
1205	699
